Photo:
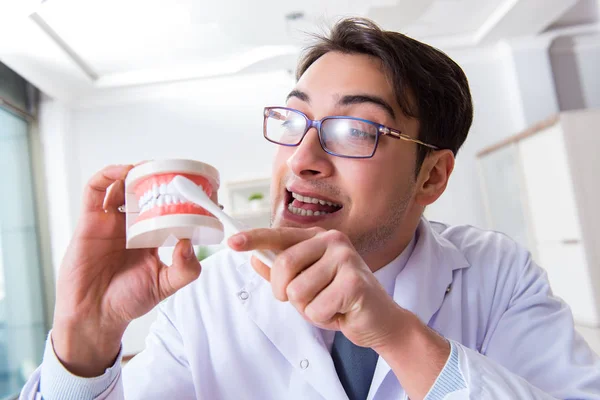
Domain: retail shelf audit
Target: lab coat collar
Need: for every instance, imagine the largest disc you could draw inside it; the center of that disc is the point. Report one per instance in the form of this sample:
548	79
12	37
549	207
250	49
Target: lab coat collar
420	288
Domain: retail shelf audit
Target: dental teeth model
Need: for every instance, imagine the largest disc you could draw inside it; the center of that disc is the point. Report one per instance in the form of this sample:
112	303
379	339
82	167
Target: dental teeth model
158	216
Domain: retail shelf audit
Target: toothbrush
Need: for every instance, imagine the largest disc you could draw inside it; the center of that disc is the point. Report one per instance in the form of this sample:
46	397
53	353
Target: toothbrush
195	194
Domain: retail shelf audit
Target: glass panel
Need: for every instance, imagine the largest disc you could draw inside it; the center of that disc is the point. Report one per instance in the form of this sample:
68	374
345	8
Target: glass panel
285	126
503	192
349	137
22	325
17	209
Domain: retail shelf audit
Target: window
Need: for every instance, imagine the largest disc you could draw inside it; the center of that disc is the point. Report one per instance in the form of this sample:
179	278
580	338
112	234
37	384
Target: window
22	317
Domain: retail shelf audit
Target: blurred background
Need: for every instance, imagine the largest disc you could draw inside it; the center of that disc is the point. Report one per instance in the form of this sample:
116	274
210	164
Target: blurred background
86	83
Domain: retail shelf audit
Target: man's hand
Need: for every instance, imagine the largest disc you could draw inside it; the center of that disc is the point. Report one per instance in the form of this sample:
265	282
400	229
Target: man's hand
102	286
322	275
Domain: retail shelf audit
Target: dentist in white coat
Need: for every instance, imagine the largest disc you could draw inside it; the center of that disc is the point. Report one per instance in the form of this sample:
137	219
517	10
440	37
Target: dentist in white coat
366	299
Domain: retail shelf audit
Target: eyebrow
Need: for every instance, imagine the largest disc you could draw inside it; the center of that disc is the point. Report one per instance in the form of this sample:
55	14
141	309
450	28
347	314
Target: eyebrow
349	100
366	98
297	93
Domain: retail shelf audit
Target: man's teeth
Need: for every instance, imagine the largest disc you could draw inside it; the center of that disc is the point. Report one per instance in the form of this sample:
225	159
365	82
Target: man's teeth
306	199
305	213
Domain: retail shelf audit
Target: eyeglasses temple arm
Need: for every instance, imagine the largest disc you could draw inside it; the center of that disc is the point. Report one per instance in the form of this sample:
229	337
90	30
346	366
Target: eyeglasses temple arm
398	135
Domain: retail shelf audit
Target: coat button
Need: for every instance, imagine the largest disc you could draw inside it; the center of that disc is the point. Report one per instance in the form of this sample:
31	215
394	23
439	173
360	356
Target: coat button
304	364
243	295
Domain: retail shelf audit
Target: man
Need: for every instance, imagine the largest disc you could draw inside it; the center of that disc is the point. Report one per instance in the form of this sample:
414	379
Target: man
366	299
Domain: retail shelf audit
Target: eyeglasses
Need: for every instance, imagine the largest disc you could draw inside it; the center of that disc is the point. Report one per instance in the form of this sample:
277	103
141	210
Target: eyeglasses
339	136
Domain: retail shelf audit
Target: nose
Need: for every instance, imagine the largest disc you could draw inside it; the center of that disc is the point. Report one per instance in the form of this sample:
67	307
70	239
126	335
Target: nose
309	160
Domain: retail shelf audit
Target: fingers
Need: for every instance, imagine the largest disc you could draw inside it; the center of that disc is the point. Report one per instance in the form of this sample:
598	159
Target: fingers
262	269
339	298
184	269
292	261
95	191
115	196
318	271
307	285
271	238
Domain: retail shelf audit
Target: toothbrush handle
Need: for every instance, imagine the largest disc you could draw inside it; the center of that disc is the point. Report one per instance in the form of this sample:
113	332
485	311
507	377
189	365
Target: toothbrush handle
267	257
195	195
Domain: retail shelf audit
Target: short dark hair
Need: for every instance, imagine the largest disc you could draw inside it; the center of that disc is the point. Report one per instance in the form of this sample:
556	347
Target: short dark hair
428	84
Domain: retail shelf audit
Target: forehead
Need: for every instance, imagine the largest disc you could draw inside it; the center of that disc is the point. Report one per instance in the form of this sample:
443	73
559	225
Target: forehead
336	74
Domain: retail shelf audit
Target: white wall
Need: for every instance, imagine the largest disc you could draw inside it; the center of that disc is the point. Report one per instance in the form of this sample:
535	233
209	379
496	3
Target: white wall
515	85
498	114
576	65
54	134
535	80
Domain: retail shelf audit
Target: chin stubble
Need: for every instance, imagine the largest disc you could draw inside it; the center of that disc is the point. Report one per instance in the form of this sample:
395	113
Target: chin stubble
386	227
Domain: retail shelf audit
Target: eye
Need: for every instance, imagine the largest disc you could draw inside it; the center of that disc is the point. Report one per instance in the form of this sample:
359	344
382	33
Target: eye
275	115
360	134
294	124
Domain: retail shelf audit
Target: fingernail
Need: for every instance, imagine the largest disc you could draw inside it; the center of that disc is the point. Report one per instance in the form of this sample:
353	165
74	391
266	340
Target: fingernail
237	239
189	251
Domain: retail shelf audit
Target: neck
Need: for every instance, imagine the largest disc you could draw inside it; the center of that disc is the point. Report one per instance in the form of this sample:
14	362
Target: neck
392	247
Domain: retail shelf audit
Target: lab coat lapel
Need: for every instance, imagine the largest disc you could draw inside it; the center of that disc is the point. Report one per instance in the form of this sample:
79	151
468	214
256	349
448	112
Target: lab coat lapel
422	284
297	340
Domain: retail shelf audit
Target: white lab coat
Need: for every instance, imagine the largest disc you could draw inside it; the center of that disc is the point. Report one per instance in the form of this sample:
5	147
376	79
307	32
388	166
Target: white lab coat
226	337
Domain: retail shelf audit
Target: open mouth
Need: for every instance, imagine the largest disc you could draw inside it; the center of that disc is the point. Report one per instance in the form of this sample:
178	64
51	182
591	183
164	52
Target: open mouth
310	206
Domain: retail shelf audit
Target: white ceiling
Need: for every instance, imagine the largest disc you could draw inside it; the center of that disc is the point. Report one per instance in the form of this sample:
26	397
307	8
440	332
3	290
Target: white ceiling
114	43
443	18
584	12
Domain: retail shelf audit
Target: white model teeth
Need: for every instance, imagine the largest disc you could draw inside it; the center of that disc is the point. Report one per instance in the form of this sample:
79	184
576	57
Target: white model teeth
305	213
306	199
161	195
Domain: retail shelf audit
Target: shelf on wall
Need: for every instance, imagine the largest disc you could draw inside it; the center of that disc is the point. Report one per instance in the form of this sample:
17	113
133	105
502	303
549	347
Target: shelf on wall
240	207
239	192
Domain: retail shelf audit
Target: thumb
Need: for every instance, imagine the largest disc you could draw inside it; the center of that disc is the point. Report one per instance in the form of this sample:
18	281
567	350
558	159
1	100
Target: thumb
184	270
260	267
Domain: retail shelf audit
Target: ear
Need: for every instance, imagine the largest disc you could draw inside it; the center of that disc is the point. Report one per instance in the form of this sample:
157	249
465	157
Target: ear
433	176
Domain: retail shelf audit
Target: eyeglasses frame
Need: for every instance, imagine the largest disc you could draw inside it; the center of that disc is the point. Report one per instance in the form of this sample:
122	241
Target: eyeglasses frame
382	130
